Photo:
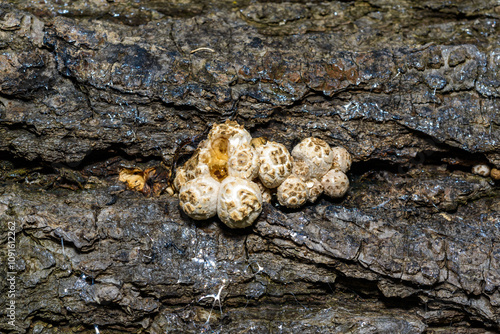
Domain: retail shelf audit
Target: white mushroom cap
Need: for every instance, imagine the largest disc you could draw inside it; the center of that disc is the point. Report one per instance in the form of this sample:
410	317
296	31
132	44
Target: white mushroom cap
335	183
275	164
483	170
198	197
232	131
292	193
314	189
244	162
317	153
341	159
239	202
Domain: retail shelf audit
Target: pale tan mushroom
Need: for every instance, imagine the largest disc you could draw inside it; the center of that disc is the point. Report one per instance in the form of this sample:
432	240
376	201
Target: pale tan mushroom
335	183
239	202
244	162
301	169
481	169
292	193
495	174
316	153
232	132
198	197
314	189
275	164
341	159
180	178
267	194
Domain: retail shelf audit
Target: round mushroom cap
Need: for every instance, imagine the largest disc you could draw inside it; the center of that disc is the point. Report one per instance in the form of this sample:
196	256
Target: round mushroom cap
292	193
314	189
275	164
232	131
335	183
239	202
198	197
341	159
244	162
482	169
495	174
317	153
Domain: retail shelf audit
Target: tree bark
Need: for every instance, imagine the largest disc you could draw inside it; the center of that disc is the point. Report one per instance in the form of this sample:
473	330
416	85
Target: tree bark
409	88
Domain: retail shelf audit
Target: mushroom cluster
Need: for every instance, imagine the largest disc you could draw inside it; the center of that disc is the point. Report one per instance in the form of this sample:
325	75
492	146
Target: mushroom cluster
231	174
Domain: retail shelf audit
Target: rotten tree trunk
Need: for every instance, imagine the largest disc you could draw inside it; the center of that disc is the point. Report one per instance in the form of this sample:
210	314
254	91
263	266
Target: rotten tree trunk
411	90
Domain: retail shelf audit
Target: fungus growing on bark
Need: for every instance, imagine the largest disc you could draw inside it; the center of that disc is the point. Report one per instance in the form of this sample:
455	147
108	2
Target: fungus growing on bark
292	193
335	183
481	169
250	170
244	162
151	181
239	202
495	174
314	190
316	153
341	159
275	164
198	197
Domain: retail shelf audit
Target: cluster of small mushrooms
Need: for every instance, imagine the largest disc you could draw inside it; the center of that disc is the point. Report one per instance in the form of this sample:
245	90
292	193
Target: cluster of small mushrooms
231	174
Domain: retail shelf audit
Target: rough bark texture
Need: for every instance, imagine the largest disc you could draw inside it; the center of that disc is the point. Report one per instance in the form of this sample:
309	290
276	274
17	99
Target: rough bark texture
410	88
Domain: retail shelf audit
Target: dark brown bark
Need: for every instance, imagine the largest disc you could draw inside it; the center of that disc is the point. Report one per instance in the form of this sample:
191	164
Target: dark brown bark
409	88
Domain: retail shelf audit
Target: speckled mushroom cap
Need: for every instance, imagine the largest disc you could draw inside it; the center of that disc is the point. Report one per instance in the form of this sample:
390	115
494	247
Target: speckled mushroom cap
482	169
275	164
233	132
301	169
198	197
239	202
292	193
314	189
244	162
341	159
335	183
317	153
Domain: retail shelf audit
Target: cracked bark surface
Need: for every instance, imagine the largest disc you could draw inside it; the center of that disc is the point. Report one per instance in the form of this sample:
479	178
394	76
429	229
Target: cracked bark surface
409	88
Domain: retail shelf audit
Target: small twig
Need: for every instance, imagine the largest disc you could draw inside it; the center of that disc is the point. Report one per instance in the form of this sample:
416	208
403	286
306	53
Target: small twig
202	49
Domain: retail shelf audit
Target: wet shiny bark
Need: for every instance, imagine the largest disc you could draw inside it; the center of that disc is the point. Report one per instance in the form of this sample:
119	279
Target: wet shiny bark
410	89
